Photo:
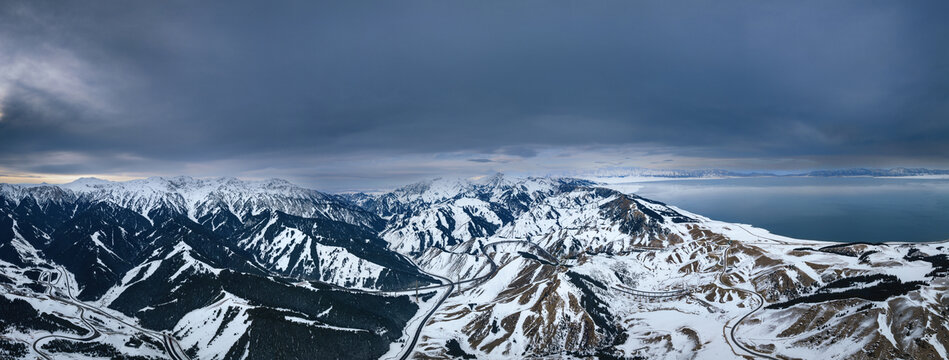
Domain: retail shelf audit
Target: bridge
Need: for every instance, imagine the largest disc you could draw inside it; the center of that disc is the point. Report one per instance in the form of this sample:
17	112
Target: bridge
665	294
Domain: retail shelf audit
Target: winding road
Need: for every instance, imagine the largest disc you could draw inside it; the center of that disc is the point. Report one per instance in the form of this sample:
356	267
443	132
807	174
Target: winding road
410	346
543	253
171	345
93	333
175	352
45	277
731	333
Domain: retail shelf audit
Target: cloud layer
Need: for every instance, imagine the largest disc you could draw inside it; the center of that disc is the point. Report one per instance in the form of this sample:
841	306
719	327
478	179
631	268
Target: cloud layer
332	94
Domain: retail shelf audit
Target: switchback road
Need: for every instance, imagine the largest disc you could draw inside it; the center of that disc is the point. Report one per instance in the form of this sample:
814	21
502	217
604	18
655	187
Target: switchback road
760	303
45	277
171	345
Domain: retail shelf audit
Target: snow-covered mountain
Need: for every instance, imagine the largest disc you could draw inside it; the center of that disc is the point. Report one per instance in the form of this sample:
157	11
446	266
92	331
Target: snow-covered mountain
636	174
895	172
495	267
617	172
445	212
587	271
515	193
153	251
199	198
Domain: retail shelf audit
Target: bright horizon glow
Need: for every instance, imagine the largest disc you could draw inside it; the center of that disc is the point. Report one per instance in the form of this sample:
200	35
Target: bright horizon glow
59	179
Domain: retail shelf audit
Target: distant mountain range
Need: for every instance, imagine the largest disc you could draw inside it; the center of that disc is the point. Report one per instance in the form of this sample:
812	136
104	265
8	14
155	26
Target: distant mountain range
877	172
498	267
628	172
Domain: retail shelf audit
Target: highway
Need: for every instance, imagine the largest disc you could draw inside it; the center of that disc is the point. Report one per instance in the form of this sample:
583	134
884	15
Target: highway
448	282
731	333
93	333
172	348
783	242
635	292
171	345
45	277
543	252
410	346
175	352
654	294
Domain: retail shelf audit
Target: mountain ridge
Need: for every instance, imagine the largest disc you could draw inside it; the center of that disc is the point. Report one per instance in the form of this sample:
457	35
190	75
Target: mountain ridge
613	173
496	267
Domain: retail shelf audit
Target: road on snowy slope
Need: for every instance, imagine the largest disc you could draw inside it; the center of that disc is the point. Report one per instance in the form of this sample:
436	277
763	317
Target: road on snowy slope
410	348
783	242
731	333
172	347
543	253
653	294
45	277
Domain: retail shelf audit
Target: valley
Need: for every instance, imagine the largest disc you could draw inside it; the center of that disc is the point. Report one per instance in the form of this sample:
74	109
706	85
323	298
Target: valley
499	267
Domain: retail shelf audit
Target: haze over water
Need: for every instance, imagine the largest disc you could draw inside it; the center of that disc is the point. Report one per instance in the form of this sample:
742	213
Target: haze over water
835	209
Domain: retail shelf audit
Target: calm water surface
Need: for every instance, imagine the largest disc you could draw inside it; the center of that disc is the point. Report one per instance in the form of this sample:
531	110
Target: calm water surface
835	209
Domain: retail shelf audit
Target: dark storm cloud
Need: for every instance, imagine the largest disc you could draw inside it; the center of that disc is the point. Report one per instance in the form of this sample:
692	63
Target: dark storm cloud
135	86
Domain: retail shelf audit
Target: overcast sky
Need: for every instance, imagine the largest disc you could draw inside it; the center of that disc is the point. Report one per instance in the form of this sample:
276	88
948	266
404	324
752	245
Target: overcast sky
363	95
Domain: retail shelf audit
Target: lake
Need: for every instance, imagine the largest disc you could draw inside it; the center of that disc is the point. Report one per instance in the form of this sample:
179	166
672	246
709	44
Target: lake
846	209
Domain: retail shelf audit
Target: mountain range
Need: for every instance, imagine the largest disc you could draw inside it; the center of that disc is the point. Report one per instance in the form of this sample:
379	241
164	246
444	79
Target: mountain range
498	267
633	173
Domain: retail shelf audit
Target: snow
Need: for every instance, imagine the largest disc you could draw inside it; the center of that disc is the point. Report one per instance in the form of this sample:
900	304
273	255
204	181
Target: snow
885	329
453	264
191	265
198	197
912	271
199	327
575	225
396	348
321	325
146	270
117	334
575	217
339	266
95	240
331	264
22	247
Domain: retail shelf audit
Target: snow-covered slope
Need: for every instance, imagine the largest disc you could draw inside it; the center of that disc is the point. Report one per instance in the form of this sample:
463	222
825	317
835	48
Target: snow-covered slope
166	253
197	198
446	212
512	193
536	267
619	276
302	248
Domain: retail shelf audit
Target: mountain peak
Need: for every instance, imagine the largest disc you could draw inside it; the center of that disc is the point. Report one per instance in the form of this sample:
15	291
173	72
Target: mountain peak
197	197
278	182
173	183
88	180
494	179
